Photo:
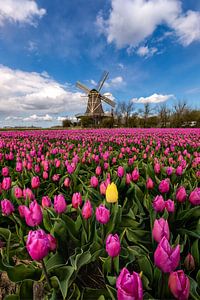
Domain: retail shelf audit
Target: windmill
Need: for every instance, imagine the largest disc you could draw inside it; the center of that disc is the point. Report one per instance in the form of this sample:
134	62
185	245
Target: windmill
94	104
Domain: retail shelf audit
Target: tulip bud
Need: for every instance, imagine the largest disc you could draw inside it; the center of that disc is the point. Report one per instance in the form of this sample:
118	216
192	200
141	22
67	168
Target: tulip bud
5	171
98	170
157	168
135	175
45	175
17	192
164	186
33	214
37	244
169	205
67	182
113	245
52	242
102	214
7	207
120	171
179	285
181	194
179	171
111	193
76	200
103	188
189	262
46	201
6	183
160	230
129	286
128	178
94	181
158	203
195	196
35	182
19	167
28	194
166	258
149	184
169	171
59	203
87	210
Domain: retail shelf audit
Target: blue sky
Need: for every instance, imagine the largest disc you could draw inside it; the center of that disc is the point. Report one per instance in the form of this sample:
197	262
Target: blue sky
150	48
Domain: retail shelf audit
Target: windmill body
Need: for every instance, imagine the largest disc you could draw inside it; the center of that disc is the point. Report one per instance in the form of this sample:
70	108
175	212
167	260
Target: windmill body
94	104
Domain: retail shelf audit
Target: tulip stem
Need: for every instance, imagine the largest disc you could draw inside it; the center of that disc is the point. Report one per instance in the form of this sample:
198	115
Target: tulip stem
45	274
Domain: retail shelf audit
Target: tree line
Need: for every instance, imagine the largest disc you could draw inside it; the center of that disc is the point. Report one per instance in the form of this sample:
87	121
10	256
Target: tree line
125	115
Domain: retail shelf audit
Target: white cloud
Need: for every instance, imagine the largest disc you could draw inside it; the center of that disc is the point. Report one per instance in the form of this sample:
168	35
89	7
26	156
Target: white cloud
145	51
187	28
20	11
25	92
155	98
132	21
36	118
114	82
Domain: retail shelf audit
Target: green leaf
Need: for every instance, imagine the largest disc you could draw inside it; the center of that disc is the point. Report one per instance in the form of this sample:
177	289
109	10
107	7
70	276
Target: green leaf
193	289
26	290
111	280
63	276
146	267
12	297
47	220
195	252
112	292
54	261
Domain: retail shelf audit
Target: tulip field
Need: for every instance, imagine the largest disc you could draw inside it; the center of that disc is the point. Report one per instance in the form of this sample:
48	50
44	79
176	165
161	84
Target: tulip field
100	214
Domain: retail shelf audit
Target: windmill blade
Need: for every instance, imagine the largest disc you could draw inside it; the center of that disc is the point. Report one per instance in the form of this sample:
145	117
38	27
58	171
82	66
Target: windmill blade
82	87
108	101
102	80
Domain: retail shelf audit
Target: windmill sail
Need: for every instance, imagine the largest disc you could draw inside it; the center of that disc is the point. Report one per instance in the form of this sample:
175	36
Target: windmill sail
108	101
102	80
82	87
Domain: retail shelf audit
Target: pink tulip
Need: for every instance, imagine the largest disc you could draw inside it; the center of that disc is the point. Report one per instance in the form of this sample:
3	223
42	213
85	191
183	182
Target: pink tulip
189	262
28	194
46	201
159	203
76	200
6	183
5	171
21	209
120	171
52	242
7	207
45	175
128	178
179	285
102	214
19	167
18	192
135	175
94	181
164	186
33	214
35	182
160	230
103	188
166	258
195	196
157	168
179	171
60	204
67	182
181	194
169	205
87	210
169	171
129	286
37	244
113	247
149	184
98	170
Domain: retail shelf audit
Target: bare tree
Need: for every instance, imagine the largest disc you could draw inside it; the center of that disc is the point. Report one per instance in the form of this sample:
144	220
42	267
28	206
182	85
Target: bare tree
125	109
180	109
164	113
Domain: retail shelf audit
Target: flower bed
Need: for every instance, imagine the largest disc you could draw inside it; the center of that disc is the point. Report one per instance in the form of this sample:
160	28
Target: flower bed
101	214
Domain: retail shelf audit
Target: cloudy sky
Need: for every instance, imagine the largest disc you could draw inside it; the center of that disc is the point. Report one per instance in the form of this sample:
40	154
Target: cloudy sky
150	48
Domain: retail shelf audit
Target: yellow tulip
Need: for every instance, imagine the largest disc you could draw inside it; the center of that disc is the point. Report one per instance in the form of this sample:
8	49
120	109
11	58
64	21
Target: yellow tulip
111	193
